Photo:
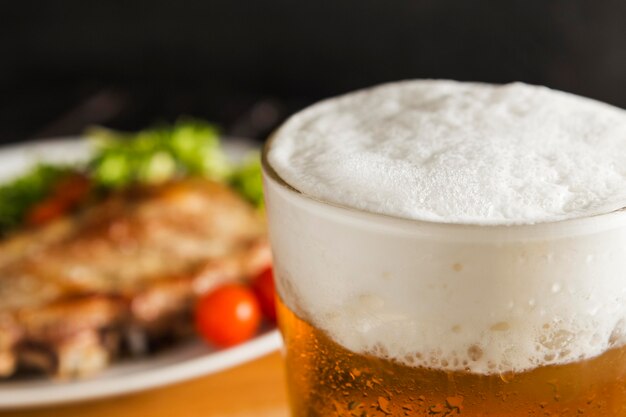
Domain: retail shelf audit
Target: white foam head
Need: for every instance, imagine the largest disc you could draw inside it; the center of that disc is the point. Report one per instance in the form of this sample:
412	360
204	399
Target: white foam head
458	152
486	299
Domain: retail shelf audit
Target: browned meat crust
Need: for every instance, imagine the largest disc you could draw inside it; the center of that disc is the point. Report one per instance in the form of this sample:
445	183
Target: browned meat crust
121	273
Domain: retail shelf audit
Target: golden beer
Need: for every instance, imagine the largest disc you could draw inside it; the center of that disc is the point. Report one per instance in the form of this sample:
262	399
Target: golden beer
327	380
451	249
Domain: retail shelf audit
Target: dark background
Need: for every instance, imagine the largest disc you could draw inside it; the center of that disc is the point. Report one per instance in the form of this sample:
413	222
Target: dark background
248	64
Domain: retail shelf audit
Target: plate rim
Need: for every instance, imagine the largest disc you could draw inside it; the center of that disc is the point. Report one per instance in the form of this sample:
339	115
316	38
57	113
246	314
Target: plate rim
92	389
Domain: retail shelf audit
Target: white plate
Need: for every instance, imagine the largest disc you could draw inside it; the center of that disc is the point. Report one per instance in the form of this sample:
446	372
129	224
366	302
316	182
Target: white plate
185	361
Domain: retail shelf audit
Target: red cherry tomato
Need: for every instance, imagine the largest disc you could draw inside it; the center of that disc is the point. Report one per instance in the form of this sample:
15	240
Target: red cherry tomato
68	193
263	287
73	189
45	211
228	316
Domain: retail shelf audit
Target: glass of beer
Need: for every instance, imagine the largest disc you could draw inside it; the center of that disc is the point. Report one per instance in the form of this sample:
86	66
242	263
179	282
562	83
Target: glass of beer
445	249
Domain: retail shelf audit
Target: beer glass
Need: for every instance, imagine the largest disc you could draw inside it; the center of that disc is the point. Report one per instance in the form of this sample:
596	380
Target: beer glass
384	316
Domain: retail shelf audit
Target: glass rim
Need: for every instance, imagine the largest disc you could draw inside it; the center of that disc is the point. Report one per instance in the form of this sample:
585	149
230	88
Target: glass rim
269	170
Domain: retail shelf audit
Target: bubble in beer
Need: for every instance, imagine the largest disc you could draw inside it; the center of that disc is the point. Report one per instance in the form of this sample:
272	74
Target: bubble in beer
500	327
475	352
618	334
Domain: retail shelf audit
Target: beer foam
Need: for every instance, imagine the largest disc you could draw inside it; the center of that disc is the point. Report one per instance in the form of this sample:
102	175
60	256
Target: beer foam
497	299
487	300
458	152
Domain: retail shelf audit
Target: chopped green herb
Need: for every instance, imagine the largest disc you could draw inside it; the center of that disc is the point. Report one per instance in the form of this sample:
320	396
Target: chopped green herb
18	196
189	147
246	179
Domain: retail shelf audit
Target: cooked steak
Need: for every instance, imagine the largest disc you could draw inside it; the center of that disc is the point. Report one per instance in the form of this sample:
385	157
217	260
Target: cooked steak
121	273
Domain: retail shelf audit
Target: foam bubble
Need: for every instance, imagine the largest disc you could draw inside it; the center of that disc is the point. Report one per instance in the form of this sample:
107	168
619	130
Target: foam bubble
458	152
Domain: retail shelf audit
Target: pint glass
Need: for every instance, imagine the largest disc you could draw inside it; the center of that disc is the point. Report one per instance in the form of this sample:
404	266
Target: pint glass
445	248
383	316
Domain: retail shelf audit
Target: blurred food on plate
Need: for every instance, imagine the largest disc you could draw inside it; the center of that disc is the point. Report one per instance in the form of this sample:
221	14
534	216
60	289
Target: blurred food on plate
109	258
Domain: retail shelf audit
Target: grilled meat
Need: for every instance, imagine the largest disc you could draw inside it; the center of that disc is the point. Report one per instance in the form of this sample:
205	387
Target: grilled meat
120	274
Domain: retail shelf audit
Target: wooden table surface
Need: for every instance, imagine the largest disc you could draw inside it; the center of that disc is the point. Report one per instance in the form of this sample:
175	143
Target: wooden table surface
254	389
